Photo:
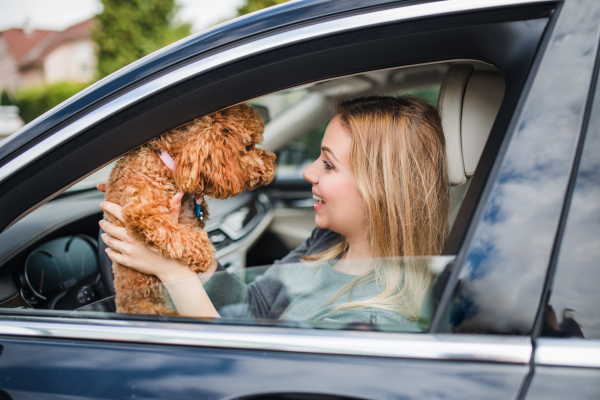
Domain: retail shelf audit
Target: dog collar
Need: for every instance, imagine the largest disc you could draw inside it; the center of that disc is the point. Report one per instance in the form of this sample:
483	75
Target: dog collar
198	206
167	159
198	199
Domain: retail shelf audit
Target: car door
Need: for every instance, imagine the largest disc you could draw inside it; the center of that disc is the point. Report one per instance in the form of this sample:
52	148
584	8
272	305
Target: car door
567	351
44	356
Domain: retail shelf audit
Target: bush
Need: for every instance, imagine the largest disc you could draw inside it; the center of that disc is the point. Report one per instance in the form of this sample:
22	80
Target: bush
5	99
35	101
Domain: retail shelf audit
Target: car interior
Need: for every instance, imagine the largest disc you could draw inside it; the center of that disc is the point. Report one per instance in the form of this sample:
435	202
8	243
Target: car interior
51	258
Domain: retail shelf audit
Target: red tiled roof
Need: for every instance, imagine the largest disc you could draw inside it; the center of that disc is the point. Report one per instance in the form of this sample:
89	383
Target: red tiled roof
28	49
20	43
82	30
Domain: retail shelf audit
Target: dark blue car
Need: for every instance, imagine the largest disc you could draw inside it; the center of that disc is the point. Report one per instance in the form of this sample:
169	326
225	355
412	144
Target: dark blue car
512	312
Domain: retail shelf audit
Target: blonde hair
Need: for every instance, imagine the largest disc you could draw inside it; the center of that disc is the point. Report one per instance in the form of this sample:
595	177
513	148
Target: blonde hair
398	161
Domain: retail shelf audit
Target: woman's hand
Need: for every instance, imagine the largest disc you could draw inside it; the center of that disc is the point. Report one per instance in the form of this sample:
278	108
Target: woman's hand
188	295
130	252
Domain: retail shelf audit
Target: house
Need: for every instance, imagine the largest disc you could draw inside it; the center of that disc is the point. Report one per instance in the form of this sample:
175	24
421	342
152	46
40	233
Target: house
34	57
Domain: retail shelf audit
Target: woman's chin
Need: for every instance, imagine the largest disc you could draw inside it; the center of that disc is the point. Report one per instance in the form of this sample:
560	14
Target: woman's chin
321	222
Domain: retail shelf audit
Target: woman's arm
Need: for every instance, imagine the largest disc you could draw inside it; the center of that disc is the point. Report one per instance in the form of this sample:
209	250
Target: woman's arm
183	284
265	297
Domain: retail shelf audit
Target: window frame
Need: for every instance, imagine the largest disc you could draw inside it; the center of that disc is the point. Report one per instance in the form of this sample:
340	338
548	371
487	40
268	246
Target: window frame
28	184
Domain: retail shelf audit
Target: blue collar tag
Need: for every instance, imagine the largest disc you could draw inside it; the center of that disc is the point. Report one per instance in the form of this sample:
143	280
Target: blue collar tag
198	207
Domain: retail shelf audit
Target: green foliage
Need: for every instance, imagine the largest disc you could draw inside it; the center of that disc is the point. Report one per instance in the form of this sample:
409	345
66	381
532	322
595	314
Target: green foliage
255	5
312	141
33	102
306	149
128	30
430	95
5	99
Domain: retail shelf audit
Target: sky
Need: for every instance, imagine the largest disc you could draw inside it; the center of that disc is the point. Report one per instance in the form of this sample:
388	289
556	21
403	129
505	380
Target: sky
60	14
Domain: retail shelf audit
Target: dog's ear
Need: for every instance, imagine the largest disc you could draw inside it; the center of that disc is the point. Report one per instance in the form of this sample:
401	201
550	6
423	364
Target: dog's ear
207	156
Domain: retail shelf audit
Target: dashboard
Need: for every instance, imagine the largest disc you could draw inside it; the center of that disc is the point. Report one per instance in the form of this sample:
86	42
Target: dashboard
50	258
56	266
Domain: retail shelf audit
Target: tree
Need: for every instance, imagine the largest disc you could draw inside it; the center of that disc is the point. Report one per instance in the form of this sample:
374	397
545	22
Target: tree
127	30
255	5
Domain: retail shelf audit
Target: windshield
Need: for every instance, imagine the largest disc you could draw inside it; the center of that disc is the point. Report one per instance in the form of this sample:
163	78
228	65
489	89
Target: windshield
388	294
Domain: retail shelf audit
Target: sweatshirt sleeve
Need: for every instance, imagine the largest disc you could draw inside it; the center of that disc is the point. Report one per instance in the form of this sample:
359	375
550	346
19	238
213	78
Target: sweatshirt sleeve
224	289
267	296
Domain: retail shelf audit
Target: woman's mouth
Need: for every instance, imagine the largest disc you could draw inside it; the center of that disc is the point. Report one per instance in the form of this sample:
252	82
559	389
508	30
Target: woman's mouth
319	202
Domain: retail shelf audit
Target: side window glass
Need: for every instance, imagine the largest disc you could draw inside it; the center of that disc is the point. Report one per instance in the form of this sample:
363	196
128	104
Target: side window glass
572	310
301	294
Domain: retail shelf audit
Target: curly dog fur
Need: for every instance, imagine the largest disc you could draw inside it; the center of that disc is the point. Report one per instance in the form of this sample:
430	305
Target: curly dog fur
215	156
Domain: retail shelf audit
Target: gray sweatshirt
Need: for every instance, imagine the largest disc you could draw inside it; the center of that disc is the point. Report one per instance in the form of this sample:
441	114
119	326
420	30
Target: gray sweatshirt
291	290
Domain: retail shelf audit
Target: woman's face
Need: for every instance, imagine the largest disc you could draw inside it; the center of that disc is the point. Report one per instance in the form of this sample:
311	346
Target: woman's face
338	204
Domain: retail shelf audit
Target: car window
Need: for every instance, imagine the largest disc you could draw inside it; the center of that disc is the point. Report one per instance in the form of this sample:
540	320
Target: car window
572	309
303	294
252	231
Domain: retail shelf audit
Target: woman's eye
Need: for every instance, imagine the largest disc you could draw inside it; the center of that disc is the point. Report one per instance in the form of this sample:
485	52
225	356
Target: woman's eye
327	165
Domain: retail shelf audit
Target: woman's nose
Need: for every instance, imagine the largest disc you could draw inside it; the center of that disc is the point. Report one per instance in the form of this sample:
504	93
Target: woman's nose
310	173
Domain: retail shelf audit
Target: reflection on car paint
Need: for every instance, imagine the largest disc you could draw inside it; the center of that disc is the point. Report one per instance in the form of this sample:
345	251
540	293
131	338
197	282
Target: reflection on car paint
176	372
506	264
577	275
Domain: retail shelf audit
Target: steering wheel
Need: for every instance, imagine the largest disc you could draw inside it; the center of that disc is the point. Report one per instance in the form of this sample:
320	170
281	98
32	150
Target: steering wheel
105	268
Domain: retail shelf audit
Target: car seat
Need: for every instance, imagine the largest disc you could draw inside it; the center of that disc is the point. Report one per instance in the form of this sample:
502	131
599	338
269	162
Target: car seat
469	101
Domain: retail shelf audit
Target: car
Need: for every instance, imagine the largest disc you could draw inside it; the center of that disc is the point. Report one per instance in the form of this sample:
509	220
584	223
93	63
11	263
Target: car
512	311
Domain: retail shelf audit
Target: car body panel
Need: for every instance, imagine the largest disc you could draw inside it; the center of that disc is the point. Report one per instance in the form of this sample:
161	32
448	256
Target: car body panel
573	297
507	261
95	370
551	383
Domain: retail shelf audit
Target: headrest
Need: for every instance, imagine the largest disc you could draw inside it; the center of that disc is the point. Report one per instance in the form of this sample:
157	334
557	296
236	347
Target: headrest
468	103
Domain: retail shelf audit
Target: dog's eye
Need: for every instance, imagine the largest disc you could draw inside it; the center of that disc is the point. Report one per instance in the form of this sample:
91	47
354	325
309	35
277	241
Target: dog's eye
249	148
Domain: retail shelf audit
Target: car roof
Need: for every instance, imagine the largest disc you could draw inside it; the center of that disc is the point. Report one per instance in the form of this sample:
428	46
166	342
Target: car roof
262	22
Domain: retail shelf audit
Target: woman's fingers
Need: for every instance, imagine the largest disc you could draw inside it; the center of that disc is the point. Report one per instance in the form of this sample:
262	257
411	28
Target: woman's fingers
112	208
115	256
114	243
117	211
101	187
115	231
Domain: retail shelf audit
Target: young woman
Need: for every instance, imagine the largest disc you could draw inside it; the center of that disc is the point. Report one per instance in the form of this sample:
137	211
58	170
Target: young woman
381	191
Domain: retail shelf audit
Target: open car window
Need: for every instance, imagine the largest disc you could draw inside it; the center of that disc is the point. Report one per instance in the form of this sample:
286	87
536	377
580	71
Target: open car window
64	267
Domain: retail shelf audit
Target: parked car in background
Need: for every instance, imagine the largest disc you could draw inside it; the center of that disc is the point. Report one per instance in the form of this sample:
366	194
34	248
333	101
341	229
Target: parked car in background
512	310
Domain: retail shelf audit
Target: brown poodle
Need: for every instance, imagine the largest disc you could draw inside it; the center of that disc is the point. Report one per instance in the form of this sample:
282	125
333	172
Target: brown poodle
210	156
